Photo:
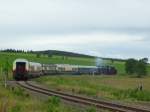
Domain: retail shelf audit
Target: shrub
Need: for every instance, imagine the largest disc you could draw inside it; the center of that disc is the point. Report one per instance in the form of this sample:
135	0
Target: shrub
138	67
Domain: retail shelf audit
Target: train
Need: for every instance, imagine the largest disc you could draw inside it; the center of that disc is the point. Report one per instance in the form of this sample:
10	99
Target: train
24	69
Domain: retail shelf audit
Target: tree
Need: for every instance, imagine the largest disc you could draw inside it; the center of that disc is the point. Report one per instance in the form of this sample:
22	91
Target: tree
145	60
50	55
130	66
112	61
38	55
141	68
138	67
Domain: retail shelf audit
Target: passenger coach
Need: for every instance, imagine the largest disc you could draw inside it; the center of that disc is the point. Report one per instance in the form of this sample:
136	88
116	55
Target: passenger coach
23	69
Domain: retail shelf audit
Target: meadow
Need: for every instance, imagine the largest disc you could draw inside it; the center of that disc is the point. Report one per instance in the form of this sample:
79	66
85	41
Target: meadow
122	88
6	57
18	100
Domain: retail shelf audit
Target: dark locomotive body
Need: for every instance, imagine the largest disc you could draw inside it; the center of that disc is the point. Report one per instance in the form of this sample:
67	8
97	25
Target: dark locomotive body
23	69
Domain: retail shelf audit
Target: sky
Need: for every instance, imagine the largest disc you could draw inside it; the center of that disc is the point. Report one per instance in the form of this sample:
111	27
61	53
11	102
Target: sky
105	28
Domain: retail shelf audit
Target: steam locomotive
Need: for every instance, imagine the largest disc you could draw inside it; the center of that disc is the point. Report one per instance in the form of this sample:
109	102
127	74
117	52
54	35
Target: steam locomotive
24	69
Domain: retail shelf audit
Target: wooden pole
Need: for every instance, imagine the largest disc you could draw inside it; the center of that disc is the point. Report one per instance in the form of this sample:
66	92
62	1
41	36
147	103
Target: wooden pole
1	73
5	79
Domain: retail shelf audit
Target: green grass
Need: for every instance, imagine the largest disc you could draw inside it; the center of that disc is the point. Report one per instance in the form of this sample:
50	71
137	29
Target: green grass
120	66
10	57
148	69
109	87
118	87
18	100
45	59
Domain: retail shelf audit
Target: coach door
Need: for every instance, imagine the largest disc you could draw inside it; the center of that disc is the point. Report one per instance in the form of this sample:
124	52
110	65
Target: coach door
20	68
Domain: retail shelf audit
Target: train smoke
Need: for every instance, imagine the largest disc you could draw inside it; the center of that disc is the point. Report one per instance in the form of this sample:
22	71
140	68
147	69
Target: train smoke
99	62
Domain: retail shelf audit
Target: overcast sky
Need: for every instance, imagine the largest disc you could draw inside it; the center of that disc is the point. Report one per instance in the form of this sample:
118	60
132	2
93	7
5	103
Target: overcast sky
107	28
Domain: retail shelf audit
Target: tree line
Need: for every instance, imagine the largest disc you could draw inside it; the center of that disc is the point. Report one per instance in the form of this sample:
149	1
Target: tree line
16	51
137	67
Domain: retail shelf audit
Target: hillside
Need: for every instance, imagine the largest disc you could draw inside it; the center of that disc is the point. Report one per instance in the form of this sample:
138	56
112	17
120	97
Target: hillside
59	58
63	53
72	54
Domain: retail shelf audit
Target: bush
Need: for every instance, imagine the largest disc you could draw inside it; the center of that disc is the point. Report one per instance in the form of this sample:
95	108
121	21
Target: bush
130	66
138	67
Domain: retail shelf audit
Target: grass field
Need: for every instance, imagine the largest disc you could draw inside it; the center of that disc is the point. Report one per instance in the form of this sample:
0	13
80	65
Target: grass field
110	87
18	100
120	87
10	57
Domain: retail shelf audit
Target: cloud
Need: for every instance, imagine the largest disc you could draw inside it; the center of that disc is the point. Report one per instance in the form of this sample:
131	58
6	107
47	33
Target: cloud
110	44
73	15
118	28
87	38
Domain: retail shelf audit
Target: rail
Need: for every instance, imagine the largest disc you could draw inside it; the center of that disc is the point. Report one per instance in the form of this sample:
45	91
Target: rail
82	100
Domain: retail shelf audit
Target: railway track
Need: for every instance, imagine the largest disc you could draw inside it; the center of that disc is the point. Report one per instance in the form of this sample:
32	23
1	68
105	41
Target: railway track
82	100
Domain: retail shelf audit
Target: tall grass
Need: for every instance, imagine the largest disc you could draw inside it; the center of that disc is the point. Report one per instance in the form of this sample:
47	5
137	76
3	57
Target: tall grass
111	87
10	57
18	100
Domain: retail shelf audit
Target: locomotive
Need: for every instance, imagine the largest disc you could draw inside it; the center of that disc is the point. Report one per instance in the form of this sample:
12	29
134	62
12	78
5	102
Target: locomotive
24	69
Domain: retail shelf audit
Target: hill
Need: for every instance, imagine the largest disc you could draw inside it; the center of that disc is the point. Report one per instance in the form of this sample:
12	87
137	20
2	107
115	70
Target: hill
72	54
63	53
61	57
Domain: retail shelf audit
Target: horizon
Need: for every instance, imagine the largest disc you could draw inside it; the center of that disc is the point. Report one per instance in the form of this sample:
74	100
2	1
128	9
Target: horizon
97	57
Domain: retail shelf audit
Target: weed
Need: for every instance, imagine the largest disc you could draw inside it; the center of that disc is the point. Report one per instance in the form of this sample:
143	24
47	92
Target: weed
16	108
20	92
91	109
53	104
132	94
117	87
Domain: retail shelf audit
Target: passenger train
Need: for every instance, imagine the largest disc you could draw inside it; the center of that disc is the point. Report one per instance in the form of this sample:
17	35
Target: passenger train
24	69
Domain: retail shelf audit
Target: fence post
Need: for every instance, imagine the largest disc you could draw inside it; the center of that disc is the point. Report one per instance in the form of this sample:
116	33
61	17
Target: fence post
5	79
1	73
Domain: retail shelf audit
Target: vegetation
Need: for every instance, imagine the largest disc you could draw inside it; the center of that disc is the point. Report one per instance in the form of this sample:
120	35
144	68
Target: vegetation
51	52
109	87
18	100
138	67
9	57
